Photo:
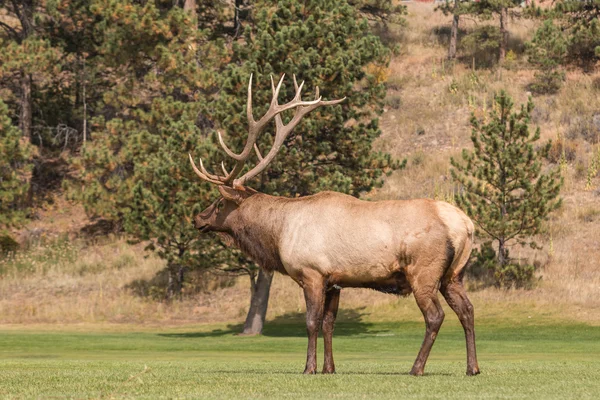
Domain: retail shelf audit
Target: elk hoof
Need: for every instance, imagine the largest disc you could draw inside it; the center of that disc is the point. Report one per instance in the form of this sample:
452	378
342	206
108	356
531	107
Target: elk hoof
473	371
328	371
415	372
310	371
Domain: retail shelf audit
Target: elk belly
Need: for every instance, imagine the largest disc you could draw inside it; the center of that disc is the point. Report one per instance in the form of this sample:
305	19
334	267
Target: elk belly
383	278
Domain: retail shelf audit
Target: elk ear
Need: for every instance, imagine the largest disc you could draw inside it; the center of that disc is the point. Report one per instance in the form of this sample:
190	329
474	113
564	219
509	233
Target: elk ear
235	195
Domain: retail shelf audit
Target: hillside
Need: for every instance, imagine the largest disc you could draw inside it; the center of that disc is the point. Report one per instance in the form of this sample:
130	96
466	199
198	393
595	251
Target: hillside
426	121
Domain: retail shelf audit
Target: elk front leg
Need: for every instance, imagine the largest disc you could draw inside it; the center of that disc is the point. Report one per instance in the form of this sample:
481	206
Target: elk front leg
457	299
434	316
332	301
314	294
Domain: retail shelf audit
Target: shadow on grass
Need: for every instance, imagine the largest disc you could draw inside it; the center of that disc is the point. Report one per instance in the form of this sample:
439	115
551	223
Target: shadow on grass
271	372
349	323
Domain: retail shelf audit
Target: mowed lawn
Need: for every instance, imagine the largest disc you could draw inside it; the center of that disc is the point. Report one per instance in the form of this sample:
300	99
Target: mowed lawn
528	360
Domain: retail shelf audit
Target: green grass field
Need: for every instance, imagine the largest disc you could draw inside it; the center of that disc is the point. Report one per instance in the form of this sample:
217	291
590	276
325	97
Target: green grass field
527	360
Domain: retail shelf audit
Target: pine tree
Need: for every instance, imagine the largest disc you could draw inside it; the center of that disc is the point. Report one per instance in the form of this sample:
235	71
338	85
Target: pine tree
547	51
166	195
15	168
326	44
504	189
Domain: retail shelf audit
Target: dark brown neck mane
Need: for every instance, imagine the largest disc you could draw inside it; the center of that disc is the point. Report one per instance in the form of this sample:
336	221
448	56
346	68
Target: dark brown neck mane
256	230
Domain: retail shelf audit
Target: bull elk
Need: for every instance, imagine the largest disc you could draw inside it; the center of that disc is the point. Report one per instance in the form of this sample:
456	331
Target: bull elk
330	241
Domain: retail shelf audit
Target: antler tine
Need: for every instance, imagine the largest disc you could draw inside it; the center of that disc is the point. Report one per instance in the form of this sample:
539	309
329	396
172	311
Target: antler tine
203	174
208	174
276	92
249	103
237	157
260	157
328	102
298	95
224	169
332	102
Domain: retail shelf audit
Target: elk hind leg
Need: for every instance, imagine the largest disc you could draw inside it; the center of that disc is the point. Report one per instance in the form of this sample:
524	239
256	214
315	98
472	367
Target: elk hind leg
456	297
332	301
434	316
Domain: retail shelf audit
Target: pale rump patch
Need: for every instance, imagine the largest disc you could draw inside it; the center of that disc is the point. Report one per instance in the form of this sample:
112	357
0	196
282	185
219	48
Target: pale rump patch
460	234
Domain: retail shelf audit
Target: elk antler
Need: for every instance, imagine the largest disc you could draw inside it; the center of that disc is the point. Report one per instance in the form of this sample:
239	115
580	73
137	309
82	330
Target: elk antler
282	131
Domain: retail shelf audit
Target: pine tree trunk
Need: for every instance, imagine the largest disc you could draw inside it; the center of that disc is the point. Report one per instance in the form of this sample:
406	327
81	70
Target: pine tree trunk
175	282
84	107
237	24
503	34
259	303
502	260
190	6
453	33
25	118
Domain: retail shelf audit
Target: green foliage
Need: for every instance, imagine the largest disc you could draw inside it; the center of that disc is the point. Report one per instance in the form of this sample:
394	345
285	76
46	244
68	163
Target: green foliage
504	189
547	51
382	10
31	56
452	7
327	45
488	9
15	168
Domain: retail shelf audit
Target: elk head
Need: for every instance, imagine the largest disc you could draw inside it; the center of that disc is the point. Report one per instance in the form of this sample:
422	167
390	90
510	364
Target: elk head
233	190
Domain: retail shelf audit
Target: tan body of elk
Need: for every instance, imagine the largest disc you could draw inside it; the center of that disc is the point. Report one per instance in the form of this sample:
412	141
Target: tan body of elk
329	241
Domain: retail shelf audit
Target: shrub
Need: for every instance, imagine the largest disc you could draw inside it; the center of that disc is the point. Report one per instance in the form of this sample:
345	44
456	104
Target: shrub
515	275
486	269
547	82
7	245
394	102
483	261
562	149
